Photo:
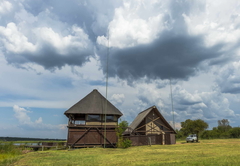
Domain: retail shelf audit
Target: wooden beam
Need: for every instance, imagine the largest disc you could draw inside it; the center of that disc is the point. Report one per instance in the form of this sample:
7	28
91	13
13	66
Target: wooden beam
160	124
81	137
147	123
153	128
104	138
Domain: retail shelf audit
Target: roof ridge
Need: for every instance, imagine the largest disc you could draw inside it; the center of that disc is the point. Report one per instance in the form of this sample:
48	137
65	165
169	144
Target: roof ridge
147	109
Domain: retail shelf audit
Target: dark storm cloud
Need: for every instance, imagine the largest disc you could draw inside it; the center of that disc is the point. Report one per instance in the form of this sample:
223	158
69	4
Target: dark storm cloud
187	102
50	59
174	54
170	56
229	85
232	90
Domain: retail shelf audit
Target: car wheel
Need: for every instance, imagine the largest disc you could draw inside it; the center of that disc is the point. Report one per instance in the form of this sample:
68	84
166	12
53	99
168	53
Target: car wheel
187	141
192	140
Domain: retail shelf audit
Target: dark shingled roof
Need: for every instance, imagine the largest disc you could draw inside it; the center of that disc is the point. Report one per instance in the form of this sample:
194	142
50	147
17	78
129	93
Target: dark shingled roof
93	103
142	115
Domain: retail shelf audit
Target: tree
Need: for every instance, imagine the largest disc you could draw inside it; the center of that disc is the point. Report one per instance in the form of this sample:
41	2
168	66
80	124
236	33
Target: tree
186	127
193	127
122	126
235	132
179	134
223	125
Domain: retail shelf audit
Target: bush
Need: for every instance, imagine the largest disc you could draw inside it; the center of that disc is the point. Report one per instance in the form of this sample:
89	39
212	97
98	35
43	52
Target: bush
210	134
225	135
124	143
235	132
127	143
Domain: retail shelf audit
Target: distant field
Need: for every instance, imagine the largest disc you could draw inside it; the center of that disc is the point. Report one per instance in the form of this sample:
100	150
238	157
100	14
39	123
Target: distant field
207	152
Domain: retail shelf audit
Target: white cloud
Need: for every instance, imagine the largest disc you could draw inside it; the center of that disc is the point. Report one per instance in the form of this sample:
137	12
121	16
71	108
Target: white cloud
63	44
176	125
63	126
228	80
129	27
14	41
5	6
21	115
218	22
117	99
217	106
185	98
25	122
39	120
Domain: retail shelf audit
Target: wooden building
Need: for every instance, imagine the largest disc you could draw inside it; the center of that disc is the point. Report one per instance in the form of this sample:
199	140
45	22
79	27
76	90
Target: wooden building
150	127
86	124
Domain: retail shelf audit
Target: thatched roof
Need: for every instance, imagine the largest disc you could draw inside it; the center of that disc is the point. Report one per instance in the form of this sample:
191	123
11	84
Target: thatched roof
93	103
141	117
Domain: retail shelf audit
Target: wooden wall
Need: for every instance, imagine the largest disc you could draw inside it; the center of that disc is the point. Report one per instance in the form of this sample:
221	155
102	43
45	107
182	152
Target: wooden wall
91	136
138	140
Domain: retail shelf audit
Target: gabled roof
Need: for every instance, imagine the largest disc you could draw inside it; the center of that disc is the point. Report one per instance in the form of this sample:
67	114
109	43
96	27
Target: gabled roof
142	115
139	118
93	103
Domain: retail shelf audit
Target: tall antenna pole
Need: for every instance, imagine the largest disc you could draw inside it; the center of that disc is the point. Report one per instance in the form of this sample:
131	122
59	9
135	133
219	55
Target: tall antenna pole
172	103
105	134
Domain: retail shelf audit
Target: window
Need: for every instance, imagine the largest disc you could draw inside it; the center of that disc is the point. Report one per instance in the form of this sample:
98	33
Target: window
80	122
110	118
93	118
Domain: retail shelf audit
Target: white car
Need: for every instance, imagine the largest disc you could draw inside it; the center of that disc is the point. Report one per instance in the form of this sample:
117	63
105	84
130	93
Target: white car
191	138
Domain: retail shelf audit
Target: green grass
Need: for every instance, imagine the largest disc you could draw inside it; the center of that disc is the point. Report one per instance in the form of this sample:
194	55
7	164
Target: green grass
9	153
207	152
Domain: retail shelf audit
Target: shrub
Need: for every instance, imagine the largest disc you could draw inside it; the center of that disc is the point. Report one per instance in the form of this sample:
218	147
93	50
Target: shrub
126	143
122	143
235	132
225	135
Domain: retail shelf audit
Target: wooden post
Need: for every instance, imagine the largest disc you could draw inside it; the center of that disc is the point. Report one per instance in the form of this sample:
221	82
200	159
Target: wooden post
163	138
150	143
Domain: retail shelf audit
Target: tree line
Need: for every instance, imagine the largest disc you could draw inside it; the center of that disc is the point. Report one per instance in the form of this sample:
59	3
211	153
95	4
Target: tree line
28	139
199	127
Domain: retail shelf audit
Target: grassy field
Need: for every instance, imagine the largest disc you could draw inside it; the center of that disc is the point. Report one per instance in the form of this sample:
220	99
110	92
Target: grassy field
207	152
9	153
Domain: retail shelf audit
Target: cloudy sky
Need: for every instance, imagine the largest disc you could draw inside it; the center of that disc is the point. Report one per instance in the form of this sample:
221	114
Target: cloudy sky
53	53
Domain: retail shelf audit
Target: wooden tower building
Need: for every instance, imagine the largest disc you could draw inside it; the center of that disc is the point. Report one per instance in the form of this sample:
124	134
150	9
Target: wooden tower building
86	124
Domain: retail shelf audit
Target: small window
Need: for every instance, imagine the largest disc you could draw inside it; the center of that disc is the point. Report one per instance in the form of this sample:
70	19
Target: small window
79	122
110	118
93	118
